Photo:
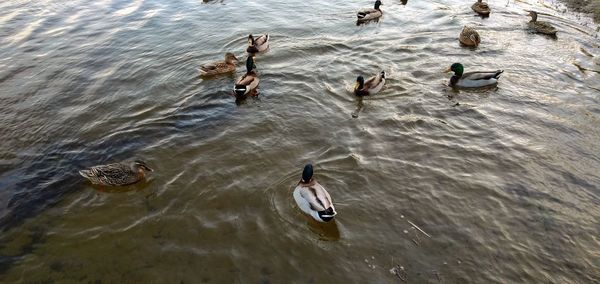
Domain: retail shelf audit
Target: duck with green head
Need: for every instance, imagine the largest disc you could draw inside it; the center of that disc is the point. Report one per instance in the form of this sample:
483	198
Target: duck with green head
371	86
249	81
258	44
370	14
312	198
476	79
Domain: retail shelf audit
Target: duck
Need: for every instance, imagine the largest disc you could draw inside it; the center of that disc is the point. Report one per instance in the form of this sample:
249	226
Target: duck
481	8
370	14
220	67
469	37
539	26
312	198
117	174
371	86
472	79
259	44
249	81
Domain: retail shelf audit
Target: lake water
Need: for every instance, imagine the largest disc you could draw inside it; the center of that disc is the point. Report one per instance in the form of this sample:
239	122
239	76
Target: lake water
505	181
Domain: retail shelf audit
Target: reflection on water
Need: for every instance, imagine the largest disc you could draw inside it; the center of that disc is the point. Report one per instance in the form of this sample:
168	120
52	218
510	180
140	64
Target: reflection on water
504	180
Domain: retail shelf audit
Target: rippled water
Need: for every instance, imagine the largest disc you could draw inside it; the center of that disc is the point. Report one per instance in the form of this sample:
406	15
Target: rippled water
505	181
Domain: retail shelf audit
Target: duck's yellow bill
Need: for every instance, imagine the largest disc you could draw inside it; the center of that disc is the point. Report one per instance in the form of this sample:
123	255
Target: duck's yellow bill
448	70
356	86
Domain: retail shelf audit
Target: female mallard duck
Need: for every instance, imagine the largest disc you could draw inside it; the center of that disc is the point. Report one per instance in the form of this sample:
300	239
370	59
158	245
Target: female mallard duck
469	37
312	198
249	81
258	44
481	8
220	67
472	79
370	14
124	173
371	86
540	27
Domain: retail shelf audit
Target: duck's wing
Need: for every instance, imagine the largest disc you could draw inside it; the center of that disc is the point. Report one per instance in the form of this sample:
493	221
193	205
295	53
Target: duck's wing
317	197
246	80
482	75
213	66
545	27
261	39
374	81
365	13
113	174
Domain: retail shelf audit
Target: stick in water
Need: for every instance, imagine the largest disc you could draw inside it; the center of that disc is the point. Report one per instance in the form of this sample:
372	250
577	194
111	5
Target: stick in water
416	227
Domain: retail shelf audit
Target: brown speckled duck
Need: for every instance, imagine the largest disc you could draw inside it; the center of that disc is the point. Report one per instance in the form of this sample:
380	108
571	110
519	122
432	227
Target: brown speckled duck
220	67
469	37
539	26
481	8
117	174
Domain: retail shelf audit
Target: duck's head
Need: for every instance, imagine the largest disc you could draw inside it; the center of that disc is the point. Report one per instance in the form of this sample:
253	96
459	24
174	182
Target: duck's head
533	15
360	83
230	58
250	64
140	166
457	68
377	4
307	173
250	39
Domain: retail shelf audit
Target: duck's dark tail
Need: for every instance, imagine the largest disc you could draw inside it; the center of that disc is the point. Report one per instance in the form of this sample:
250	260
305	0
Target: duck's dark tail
327	214
497	75
383	74
240	90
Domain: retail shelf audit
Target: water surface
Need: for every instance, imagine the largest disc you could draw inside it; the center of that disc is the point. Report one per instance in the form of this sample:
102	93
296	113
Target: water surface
505	181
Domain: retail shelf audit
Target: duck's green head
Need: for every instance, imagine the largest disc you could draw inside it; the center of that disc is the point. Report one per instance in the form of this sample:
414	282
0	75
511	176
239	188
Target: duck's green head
377	4
360	83
307	173
250	64
457	68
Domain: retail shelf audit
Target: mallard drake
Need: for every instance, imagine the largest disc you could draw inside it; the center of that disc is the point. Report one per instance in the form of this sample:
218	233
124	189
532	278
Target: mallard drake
472	79
258	44
312	198
249	81
481	8
371	86
370	14
116	174
220	67
539	26
469	37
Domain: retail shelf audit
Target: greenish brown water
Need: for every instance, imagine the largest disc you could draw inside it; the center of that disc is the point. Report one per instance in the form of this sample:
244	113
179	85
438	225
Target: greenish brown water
505	181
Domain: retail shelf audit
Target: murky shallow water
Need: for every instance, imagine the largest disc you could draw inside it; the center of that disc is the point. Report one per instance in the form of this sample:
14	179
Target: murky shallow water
506	182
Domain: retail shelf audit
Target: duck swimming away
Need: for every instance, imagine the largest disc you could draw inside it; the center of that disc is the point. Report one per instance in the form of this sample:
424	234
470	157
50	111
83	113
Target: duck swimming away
370	14
259	44
117	174
312	198
249	81
371	86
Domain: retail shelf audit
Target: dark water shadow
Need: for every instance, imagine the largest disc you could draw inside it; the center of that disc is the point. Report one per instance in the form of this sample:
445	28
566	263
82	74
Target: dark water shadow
52	173
326	231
